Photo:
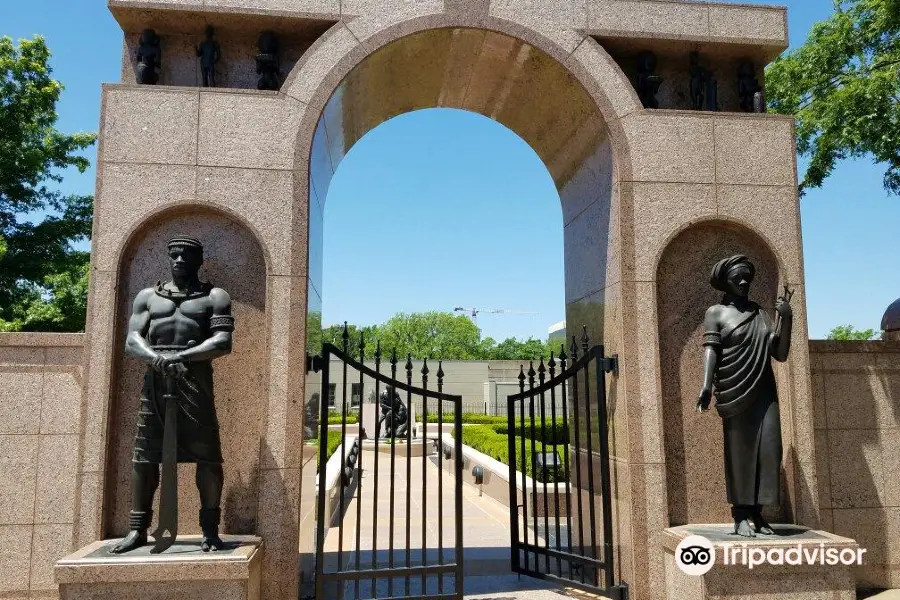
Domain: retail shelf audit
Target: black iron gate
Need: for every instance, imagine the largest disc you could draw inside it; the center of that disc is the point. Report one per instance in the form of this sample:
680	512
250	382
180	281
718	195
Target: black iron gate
384	555
555	536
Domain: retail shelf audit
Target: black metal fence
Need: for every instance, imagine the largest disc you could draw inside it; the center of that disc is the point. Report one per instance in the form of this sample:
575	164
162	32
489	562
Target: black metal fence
556	536
380	543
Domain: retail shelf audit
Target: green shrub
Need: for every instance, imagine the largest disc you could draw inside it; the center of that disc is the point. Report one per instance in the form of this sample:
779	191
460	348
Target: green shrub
333	441
551	433
335	419
468	418
486	439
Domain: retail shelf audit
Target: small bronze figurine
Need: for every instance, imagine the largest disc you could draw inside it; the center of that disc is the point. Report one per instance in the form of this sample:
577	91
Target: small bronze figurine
748	88
268	64
394	421
149	58
648	83
711	93
177	328
209	53
739	343
697	82
704	87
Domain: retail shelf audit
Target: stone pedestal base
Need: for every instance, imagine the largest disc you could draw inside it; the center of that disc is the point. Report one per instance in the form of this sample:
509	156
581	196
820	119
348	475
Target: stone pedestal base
731	578
182	572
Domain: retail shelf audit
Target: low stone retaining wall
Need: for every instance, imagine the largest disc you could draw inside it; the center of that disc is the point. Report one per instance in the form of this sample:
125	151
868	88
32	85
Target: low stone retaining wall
340	474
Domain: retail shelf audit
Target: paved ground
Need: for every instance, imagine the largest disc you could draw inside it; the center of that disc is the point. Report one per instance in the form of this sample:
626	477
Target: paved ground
430	521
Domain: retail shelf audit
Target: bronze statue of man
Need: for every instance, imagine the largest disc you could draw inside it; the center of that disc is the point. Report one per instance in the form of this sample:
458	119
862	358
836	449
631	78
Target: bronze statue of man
394	421
177	328
739	343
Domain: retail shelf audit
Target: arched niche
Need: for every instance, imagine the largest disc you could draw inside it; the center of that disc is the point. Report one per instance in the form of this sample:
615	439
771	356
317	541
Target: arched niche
695	471
234	261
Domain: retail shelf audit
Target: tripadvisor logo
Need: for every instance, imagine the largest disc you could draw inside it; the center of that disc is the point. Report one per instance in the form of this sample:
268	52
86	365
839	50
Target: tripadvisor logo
695	555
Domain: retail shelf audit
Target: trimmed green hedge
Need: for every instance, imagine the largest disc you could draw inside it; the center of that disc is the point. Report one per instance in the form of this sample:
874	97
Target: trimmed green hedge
334	440
469	418
549	434
335	419
486	439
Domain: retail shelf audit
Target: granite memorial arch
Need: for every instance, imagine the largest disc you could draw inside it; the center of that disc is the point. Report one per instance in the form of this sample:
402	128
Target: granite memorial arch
256	164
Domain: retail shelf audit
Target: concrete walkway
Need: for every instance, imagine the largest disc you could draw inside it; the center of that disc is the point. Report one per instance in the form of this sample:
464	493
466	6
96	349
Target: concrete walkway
431	519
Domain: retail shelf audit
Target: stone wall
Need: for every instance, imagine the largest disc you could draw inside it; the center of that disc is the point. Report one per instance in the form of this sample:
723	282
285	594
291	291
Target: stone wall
40	421
856	389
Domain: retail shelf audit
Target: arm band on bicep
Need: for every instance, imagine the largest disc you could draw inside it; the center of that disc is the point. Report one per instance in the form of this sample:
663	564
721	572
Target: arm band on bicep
221	323
712	338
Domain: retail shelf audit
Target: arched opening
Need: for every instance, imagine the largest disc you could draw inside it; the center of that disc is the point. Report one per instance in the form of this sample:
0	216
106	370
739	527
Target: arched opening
513	83
695	473
507	80
234	261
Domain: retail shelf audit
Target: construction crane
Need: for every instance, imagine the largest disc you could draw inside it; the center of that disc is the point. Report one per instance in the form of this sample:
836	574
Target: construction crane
474	312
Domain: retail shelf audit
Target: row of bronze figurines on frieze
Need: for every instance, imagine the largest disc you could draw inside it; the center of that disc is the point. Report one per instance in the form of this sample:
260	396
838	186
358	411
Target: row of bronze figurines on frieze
704	89
177	328
209	52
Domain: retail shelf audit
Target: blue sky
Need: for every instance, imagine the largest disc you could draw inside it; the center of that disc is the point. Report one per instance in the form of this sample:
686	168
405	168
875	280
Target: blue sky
388	248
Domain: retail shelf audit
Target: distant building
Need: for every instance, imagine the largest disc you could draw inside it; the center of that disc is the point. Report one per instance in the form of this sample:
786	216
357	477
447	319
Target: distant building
483	384
557	331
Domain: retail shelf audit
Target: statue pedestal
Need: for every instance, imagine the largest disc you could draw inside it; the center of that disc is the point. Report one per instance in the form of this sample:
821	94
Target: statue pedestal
804	571
181	572
369	414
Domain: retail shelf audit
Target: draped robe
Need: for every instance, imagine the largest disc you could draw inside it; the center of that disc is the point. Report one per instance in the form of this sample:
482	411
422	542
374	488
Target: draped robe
747	401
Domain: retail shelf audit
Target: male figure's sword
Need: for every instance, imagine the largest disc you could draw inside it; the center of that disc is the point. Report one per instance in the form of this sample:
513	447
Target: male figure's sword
167	527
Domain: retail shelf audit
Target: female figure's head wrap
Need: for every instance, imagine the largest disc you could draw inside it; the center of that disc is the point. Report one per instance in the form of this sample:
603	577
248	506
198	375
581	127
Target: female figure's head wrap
719	277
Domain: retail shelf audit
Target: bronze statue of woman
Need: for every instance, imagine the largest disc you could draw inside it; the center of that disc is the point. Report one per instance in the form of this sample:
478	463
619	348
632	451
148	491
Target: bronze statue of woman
739	342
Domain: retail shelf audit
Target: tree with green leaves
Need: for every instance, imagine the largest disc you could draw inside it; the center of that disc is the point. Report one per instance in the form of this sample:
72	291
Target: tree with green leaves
843	84
848	332
43	278
436	335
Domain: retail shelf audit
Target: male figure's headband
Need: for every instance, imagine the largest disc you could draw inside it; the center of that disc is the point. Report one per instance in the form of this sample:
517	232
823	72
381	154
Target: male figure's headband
185	241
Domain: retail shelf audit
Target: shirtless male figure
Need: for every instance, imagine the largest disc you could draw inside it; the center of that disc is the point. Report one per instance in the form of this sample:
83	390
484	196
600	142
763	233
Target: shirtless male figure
178	328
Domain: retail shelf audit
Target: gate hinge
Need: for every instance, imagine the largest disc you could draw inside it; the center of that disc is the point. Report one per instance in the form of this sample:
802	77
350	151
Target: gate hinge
313	363
611	364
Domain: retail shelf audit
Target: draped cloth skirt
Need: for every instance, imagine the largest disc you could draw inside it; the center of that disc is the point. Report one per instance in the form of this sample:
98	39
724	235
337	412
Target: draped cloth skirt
747	401
198	426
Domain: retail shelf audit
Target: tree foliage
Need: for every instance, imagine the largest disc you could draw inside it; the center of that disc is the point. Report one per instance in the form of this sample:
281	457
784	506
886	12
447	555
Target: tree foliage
848	332
436	335
843	84
43	279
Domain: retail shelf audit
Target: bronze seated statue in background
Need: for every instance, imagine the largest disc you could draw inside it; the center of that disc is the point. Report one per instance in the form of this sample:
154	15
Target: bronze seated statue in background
177	328
739	343
394	421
